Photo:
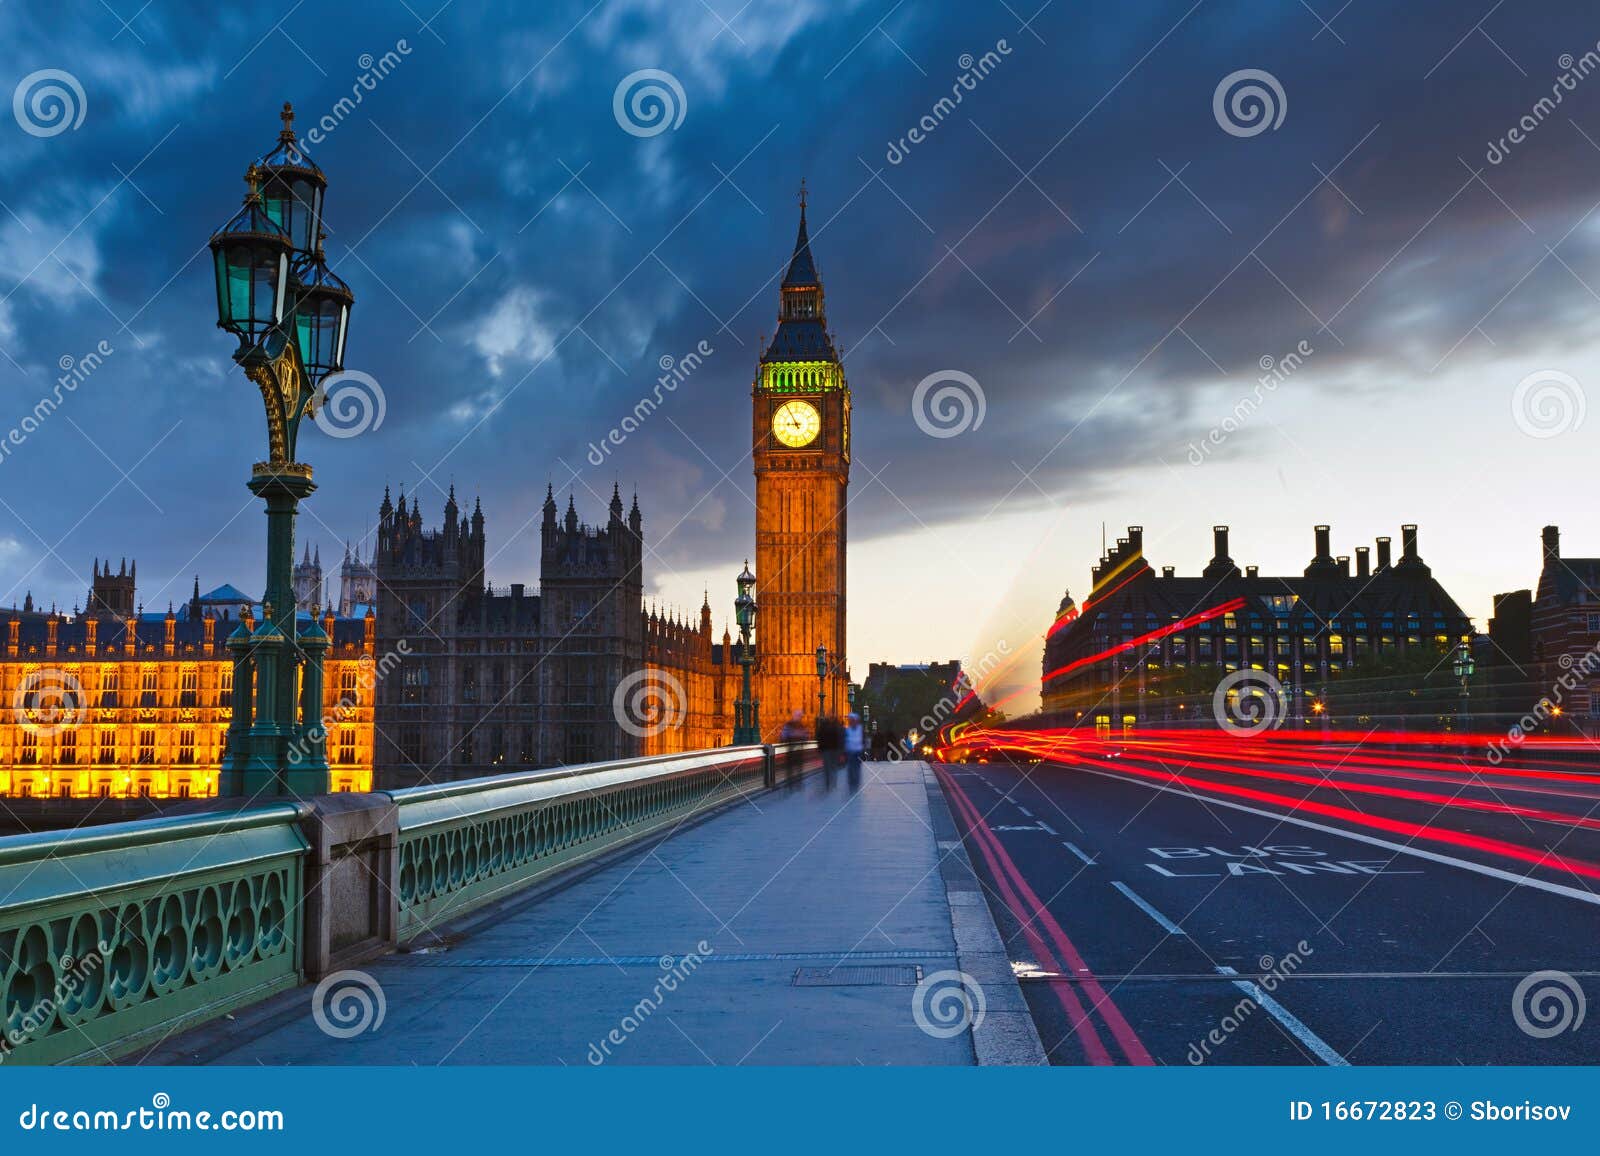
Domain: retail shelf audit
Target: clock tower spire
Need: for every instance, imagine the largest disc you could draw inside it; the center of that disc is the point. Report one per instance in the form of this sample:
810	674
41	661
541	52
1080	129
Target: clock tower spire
801	452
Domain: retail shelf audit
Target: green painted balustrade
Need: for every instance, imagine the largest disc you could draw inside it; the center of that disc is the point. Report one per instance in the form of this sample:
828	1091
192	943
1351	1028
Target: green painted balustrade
113	937
466	844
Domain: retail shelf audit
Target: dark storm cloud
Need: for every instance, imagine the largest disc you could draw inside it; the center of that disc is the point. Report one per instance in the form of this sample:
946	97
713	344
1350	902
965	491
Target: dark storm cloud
1078	234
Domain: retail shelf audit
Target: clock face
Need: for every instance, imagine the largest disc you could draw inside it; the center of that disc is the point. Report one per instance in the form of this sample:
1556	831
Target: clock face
796	423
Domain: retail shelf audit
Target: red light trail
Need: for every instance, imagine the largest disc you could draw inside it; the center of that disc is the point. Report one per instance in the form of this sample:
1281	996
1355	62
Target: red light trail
1209	760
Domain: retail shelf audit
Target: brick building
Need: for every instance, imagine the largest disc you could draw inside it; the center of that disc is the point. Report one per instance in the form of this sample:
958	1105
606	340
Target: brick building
1565	626
1365	640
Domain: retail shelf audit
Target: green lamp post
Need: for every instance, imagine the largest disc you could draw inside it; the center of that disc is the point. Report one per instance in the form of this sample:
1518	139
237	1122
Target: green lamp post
1464	668
291	314
746	716
822	676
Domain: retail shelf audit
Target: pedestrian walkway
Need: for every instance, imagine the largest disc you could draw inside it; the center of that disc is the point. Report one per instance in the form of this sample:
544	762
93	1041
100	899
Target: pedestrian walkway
792	928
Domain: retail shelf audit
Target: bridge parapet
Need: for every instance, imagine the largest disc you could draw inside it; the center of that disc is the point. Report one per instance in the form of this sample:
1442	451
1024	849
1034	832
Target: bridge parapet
462	845
114	937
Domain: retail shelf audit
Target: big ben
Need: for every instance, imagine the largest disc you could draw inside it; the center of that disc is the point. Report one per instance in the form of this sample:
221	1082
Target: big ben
800	409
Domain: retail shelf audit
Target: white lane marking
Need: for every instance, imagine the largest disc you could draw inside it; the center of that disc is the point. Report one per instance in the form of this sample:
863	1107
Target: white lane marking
1078	851
1047	827
1024	810
1433	856
1288	1019
1167	925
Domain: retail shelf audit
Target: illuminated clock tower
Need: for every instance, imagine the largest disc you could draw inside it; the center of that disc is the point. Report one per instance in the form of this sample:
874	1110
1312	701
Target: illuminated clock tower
801	450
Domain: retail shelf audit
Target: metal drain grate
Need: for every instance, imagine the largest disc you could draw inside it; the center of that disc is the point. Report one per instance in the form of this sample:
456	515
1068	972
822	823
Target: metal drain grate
893	975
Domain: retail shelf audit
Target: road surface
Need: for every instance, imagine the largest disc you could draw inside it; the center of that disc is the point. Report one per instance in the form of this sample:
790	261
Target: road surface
1178	908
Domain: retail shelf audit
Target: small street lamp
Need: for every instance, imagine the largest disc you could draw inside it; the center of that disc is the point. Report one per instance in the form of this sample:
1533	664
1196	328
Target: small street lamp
290	313
822	675
1464	667
746	721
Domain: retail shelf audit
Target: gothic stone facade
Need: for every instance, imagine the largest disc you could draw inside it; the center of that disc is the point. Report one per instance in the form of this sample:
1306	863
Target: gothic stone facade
495	679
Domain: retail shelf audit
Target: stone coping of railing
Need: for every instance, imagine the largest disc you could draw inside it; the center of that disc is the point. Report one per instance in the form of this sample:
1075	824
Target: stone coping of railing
428	806
52	866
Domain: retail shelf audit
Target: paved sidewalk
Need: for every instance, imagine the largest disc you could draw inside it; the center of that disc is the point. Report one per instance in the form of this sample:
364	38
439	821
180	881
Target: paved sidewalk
603	971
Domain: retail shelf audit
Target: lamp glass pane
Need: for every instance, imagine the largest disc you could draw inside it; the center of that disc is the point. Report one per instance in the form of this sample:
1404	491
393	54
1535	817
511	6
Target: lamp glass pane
304	336
301	212
283	286
262	298
344	329
237	261
220	260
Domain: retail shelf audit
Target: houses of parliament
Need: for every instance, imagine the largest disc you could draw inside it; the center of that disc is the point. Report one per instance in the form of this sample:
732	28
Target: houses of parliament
436	675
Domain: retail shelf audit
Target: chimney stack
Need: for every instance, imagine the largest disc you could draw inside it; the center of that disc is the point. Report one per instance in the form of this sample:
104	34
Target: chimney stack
1344	564
1221	566
1408	544
1383	555
1168	571
1552	543
1363	563
1136	538
1322	564
1252	571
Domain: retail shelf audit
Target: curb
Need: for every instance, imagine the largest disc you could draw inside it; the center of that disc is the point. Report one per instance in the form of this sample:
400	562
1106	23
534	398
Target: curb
1006	1035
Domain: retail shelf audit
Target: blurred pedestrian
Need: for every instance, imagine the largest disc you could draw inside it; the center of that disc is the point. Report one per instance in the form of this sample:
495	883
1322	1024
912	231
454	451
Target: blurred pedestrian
793	733
830	738
854	743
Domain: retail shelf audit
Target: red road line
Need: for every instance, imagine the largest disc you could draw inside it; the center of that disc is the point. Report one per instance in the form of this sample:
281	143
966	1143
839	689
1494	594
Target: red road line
1127	1039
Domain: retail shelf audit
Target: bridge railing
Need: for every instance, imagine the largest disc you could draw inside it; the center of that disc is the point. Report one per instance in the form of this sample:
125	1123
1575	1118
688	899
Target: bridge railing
112	938
115	936
462	845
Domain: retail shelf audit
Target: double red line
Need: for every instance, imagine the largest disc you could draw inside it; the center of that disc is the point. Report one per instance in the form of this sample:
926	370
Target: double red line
1038	925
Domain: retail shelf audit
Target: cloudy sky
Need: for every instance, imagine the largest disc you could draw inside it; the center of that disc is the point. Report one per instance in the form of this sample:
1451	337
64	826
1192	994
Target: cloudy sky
1110	235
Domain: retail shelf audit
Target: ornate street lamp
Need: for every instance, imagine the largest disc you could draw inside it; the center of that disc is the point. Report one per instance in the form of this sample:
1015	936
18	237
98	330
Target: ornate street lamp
747	723
322	316
1464	668
291	314
822	674
294	187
